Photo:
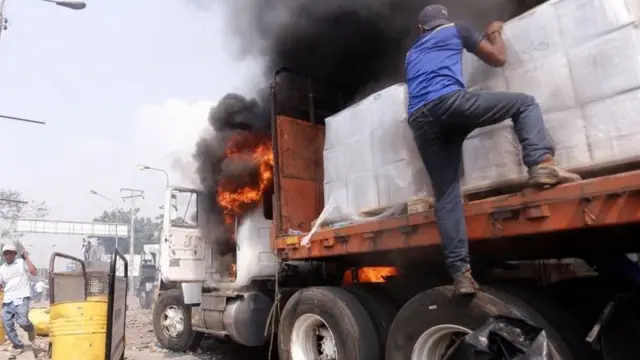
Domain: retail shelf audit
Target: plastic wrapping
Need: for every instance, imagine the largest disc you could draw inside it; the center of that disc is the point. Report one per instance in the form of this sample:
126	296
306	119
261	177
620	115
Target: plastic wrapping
579	58
370	158
505	338
499	159
613	127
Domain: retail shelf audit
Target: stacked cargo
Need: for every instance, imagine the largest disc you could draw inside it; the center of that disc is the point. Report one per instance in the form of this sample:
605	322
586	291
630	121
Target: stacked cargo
579	58
370	158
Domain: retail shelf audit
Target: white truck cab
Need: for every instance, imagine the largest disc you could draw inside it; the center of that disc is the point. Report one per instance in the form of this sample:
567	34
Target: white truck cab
196	295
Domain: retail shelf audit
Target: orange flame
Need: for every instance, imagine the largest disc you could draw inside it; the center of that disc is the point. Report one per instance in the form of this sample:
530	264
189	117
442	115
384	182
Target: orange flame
233	271
377	274
234	200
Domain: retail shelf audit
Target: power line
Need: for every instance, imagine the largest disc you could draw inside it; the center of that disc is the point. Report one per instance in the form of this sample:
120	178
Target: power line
23	119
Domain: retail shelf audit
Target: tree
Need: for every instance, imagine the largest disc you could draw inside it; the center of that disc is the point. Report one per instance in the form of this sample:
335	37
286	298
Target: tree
146	231
13	207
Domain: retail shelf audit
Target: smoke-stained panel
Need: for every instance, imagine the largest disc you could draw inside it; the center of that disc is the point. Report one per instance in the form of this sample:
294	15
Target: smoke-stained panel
300	147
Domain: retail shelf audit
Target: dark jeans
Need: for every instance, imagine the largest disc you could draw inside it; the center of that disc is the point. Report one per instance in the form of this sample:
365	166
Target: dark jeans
439	129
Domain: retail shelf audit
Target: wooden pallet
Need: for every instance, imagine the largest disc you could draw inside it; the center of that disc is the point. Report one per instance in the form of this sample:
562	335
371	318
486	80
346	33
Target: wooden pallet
413	205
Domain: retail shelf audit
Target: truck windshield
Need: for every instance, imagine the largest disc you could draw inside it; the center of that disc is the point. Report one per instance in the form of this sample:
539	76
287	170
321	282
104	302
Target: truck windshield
184	208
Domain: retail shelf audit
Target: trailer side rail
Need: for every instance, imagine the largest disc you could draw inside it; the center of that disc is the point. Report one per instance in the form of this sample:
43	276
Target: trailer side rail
599	202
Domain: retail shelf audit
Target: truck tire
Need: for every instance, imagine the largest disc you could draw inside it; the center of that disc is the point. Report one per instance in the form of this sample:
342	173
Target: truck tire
381	310
562	321
329	321
435	318
172	323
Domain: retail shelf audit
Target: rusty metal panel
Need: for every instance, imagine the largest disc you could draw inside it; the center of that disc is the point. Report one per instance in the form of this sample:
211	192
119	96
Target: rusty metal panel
301	203
300	173
601	202
300	146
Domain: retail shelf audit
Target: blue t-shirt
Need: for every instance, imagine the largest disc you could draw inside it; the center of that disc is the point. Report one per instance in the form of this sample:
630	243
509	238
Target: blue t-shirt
434	63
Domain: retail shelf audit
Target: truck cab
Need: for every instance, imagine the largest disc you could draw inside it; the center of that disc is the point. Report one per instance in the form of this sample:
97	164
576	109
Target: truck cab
201	292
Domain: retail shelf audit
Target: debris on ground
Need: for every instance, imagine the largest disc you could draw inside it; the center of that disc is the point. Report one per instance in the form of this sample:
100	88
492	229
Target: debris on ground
142	344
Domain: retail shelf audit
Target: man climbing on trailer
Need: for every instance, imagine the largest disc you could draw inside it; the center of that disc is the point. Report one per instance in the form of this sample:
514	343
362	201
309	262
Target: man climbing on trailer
442	114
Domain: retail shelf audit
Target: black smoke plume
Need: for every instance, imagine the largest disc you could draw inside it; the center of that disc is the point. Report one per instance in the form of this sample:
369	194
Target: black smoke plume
357	45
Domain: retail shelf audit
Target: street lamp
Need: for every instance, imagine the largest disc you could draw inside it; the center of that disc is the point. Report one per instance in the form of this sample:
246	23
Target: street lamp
117	209
69	4
75	5
13	201
142	167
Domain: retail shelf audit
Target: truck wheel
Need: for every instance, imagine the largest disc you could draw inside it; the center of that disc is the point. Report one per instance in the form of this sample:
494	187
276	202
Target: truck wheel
326	323
563	323
433	321
172	323
381	310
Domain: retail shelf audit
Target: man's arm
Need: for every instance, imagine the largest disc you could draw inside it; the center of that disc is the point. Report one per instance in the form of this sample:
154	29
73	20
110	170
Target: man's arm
33	271
488	47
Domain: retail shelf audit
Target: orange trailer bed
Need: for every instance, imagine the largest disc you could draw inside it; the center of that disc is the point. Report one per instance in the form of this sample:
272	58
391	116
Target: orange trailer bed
599	202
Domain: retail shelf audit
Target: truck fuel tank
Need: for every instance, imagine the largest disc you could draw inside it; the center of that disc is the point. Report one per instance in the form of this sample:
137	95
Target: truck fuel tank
241	317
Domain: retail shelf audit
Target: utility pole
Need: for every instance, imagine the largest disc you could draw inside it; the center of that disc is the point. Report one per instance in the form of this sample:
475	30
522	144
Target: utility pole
133	194
116	209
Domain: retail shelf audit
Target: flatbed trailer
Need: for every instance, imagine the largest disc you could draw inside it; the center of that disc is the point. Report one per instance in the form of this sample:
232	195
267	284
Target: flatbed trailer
594	218
599	202
606	201
372	290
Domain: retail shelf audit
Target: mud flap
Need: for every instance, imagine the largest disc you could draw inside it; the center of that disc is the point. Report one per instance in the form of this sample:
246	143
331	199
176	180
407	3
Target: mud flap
117	308
504	338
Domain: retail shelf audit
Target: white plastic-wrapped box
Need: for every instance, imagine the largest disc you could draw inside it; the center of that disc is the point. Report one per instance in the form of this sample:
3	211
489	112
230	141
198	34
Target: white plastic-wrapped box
613	128
532	36
362	191
491	156
371	156
584	20
578	58
549	81
402	180
567	129
393	143
606	66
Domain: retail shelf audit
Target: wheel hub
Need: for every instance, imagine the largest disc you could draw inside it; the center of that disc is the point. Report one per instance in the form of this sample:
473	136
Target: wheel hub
312	339
328	344
173	321
438	341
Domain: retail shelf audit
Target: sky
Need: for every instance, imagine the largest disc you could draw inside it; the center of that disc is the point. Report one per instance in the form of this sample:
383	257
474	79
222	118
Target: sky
119	83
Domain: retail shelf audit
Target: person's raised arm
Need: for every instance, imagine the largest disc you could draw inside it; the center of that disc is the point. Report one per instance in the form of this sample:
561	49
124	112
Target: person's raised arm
33	271
488	47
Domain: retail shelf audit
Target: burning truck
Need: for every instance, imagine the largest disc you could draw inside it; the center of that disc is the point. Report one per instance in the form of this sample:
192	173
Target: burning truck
314	228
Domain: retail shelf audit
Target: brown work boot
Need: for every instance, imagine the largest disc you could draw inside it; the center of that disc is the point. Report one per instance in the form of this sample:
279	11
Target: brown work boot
464	284
547	173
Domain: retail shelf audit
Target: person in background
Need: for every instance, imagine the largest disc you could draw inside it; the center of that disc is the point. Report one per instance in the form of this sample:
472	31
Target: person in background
40	288
442	113
14	279
84	249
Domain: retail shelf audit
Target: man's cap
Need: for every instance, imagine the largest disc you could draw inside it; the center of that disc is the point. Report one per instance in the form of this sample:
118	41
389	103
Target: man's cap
433	16
9	247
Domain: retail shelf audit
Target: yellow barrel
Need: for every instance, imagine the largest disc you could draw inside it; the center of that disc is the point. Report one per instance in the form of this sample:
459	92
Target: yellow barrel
77	330
40	320
1	325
